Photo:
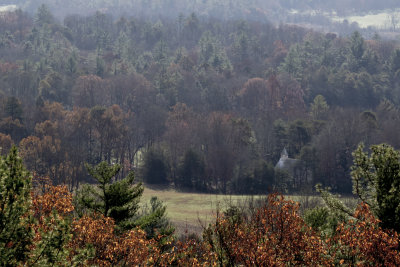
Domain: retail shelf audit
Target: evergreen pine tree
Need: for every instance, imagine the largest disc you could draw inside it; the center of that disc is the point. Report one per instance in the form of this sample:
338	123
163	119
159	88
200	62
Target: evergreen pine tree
15	201
116	199
154	220
191	172
154	168
376	181
13	108
120	201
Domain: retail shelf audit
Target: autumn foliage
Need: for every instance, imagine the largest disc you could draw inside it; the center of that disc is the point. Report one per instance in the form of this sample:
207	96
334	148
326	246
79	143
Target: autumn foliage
275	235
93	233
132	248
272	235
362	242
54	198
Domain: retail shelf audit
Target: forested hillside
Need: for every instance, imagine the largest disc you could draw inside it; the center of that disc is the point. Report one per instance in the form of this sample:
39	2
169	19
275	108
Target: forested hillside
206	7
92	104
341	17
202	104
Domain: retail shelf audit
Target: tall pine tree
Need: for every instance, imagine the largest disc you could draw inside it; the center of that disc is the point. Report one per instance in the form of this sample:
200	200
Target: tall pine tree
15	201
116	199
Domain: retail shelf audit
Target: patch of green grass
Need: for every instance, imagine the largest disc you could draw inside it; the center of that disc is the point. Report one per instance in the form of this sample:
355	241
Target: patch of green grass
189	212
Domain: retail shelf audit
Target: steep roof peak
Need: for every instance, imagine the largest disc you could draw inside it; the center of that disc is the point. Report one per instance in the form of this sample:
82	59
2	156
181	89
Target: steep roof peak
284	153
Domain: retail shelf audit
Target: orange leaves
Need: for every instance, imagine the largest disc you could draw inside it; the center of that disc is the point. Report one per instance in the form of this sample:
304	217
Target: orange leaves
51	209
131	248
364	243
137	249
97	232
190	252
55	204
57	198
274	235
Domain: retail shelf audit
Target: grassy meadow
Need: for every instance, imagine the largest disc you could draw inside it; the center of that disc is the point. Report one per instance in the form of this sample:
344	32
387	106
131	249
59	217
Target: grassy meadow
380	20
190	212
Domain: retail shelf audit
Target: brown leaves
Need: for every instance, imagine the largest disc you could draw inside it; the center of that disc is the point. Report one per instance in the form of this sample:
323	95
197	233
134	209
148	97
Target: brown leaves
274	235
57	198
5	143
55	204
131	248
190	252
90	90
364	243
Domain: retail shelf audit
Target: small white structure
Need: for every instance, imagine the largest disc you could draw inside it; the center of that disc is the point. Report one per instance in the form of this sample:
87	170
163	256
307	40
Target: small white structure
298	173
286	163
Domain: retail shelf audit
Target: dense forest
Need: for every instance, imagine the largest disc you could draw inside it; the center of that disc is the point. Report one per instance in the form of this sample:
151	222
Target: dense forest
96	102
250	9
202	104
326	16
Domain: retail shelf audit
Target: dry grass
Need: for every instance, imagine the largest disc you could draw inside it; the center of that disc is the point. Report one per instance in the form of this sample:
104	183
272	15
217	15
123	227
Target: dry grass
190	212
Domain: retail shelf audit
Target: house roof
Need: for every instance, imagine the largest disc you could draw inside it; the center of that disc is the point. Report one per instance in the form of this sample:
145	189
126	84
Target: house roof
284	153
285	162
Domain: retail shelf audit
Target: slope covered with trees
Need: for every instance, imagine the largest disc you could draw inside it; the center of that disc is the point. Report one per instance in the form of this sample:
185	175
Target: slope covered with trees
226	9
203	104
200	104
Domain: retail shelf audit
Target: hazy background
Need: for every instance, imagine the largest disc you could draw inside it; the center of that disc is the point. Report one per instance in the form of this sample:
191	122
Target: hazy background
342	16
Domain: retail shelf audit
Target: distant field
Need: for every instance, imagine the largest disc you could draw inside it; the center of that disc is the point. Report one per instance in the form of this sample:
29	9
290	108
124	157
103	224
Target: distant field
381	20
8	8
190	211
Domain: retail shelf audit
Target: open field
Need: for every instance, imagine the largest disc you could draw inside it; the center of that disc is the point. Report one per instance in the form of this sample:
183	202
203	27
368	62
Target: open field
190	211
380	20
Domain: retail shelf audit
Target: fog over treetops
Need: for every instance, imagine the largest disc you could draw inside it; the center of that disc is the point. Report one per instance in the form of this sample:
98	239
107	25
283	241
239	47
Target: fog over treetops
227	9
